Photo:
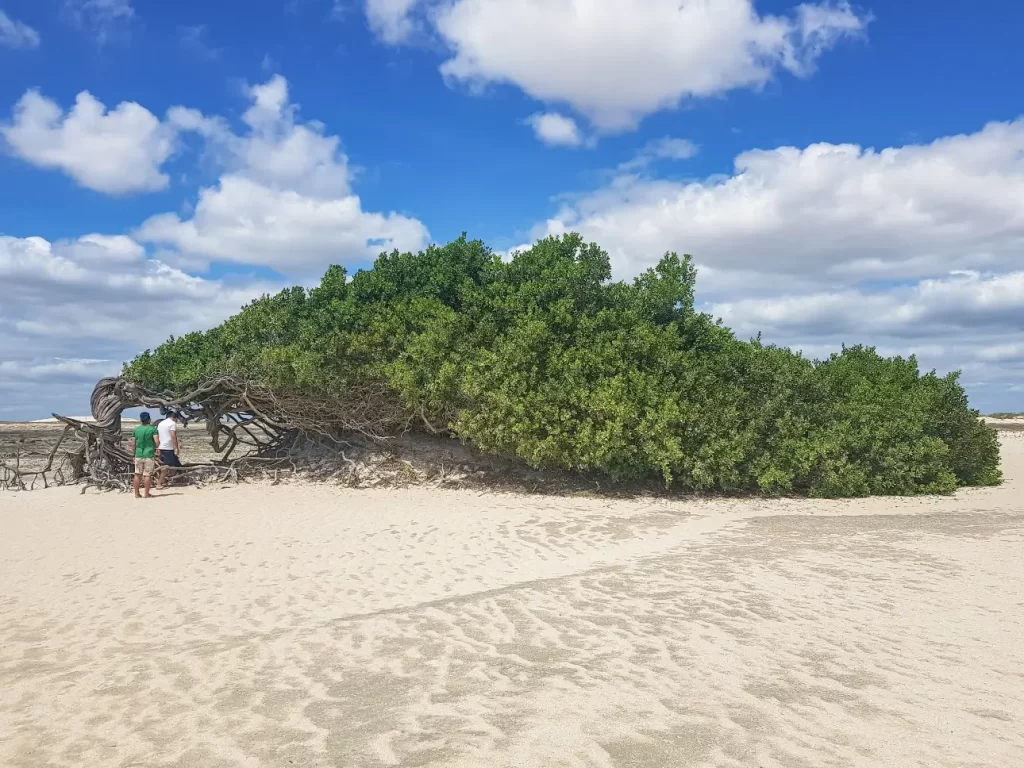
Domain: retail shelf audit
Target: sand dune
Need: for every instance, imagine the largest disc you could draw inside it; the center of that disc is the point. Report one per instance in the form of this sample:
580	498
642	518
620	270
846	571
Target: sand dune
303	625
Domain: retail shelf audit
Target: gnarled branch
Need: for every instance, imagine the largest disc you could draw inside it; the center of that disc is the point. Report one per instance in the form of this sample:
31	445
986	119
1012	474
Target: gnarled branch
235	412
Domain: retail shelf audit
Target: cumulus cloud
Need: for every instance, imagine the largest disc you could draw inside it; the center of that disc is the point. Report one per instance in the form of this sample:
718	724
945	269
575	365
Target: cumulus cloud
75	310
103	288
117	151
616	61
555	130
16	34
243	221
835	213
280	152
284	199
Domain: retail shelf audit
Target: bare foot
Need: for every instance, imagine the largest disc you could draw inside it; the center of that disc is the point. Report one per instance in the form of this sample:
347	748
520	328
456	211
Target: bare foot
138	495
148	496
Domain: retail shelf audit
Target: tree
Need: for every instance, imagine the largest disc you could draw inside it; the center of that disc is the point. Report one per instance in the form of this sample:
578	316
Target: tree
545	358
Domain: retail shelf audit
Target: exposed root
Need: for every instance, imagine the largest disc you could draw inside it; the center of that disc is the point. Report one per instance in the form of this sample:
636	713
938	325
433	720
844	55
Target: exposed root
253	429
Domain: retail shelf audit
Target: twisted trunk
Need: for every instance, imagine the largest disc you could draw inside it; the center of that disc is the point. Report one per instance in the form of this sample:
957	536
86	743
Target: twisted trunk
236	413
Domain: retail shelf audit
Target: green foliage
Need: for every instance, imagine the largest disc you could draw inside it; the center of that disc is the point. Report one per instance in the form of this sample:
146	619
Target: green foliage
544	358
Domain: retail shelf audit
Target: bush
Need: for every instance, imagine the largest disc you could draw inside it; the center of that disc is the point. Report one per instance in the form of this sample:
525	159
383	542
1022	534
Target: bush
546	359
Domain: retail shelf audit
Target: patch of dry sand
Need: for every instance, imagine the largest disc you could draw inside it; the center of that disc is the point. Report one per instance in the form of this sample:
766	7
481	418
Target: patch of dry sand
303	625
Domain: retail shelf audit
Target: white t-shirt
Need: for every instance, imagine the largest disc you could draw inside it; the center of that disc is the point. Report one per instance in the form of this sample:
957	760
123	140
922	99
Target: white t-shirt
166	428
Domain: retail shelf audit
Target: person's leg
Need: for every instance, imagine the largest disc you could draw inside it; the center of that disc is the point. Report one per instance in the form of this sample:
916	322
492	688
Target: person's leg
147	478
168	461
137	478
171	465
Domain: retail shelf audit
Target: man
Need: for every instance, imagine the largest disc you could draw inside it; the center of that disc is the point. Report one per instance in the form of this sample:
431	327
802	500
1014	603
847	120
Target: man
145	440
170	455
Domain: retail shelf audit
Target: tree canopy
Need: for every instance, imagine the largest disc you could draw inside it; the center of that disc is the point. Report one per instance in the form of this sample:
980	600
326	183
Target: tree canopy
545	358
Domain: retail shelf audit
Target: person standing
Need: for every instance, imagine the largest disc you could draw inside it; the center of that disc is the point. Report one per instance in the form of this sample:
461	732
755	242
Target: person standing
170	455
145	440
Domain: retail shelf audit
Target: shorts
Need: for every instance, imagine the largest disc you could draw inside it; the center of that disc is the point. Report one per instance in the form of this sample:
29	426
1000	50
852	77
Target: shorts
168	458
144	467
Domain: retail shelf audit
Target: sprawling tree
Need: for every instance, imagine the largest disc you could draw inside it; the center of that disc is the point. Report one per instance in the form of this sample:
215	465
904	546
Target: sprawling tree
543	357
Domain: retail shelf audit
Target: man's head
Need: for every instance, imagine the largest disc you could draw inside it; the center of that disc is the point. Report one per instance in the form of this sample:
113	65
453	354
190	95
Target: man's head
144	418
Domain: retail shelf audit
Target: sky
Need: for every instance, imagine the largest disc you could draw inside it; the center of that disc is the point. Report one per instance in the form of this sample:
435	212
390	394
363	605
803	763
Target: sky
841	172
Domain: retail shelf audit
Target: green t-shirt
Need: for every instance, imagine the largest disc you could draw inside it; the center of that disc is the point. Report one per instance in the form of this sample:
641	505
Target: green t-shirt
145	448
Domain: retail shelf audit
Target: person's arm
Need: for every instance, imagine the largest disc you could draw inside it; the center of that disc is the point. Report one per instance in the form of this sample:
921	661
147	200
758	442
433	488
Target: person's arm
156	444
174	440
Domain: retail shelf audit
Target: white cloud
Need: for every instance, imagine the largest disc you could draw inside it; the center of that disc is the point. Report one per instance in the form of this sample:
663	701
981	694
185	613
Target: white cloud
555	130
390	20
74	310
665	148
279	152
617	61
931	308
103	19
81	285
95	249
284	199
244	221
116	151
16	34
1002	353
835	213
35	371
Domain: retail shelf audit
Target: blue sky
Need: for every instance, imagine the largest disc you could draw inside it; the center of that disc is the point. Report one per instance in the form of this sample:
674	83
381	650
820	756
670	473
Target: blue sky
828	165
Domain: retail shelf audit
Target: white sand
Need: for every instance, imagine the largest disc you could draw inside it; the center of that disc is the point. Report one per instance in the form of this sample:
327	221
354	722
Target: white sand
308	626
1016	422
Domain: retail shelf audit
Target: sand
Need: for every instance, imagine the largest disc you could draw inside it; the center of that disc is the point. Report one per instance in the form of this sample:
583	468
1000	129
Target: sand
1011	423
314	626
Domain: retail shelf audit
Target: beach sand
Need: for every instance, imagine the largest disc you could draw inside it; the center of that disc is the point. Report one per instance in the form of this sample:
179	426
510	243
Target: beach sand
301	625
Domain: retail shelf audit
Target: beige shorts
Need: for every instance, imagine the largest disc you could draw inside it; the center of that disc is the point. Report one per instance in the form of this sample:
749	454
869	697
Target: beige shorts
145	467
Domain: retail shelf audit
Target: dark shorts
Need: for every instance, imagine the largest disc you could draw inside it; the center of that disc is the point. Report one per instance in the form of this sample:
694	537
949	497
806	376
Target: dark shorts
168	459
